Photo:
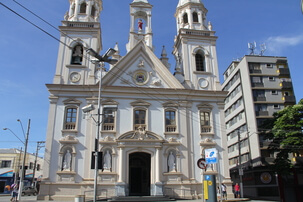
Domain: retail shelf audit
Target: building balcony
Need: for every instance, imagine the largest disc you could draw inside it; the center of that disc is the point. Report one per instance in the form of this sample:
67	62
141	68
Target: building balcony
206	129
286	84
108	127
289	99
170	128
255	71
70	126
257	84
284	72
258	99
262	113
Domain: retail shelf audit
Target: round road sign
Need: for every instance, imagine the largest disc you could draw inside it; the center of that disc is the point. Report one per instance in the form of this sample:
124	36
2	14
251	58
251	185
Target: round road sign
201	163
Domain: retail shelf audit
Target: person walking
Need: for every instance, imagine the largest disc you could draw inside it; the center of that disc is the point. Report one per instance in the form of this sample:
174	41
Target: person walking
15	193
224	193
237	190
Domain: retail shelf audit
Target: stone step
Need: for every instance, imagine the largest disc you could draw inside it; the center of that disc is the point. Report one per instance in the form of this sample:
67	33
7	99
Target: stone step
141	198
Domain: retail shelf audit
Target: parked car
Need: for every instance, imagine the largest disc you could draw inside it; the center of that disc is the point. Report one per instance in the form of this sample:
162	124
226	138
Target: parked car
29	191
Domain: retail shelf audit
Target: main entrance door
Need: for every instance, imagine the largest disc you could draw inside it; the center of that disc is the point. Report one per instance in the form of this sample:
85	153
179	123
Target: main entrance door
139	174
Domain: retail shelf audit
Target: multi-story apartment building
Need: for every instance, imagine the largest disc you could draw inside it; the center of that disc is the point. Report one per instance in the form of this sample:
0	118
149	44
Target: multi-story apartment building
257	87
10	167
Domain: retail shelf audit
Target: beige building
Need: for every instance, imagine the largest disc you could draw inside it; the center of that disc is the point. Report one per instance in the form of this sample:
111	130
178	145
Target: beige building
10	166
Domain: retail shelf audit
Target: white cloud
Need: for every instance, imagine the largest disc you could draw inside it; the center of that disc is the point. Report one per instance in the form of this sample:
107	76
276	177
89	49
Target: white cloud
276	44
9	88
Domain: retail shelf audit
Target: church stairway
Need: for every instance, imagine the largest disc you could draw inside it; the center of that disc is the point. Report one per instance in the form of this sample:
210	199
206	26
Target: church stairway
141	198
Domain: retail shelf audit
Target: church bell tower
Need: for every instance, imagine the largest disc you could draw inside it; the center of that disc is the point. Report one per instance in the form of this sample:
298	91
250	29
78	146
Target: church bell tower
195	47
140	24
80	30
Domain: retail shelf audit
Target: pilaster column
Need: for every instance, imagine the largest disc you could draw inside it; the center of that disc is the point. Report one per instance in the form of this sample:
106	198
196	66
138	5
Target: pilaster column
77	10
149	28
132	21
190	19
121	161
200	16
157	166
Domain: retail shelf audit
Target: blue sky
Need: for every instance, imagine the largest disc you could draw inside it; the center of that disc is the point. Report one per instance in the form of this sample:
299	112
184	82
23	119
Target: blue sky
28	56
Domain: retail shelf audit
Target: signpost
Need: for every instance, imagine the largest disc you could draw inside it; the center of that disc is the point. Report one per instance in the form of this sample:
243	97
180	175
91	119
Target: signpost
209	181
211	156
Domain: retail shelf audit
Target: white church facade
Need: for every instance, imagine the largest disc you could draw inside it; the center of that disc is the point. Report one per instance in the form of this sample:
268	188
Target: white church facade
155	124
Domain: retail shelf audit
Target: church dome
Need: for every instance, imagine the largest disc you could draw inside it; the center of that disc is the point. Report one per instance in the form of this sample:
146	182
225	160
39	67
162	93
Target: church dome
183	2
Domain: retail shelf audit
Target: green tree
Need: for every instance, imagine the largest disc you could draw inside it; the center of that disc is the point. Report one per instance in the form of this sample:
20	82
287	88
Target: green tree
286	135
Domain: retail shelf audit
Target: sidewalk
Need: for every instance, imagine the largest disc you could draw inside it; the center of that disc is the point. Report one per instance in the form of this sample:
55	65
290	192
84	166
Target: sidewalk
6	198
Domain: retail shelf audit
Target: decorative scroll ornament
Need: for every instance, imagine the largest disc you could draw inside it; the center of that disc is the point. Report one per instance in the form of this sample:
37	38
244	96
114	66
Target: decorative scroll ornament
140	134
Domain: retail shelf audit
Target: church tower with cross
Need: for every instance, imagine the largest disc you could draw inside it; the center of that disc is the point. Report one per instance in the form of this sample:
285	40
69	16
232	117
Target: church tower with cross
140	24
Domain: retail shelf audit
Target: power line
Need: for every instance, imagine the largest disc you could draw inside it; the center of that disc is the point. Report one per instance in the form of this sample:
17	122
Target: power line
33	24
139	88
131	85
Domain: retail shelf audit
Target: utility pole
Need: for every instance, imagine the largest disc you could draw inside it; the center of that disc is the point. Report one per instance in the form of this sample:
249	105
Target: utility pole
240	164
35	164
23	163
18	168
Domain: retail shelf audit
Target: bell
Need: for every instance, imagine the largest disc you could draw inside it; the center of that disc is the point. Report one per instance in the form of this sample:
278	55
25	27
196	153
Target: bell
77	60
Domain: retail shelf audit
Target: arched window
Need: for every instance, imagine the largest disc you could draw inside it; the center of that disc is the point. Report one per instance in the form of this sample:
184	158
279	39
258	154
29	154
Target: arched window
185	18
83	8
70	120
109	116
200	61
195	17
77	55
170	121
139	118
93	11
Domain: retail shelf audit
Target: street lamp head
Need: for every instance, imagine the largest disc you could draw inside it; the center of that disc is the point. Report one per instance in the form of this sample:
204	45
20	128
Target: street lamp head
18	120
110	52
112	61
5	128
93	53
105	58
88	108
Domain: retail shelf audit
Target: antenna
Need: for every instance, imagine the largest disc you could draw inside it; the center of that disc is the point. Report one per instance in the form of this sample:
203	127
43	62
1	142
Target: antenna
263	49
252	47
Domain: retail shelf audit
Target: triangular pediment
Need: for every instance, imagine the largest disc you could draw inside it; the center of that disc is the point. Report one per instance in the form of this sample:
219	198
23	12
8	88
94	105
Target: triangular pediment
141	68
140	103
205	107
72	101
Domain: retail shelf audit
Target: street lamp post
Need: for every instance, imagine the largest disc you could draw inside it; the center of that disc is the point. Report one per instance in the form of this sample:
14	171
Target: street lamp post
21	183
240	164
24	159
103	58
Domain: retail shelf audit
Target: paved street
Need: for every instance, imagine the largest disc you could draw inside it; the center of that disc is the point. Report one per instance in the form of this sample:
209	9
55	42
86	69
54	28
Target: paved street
6	198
